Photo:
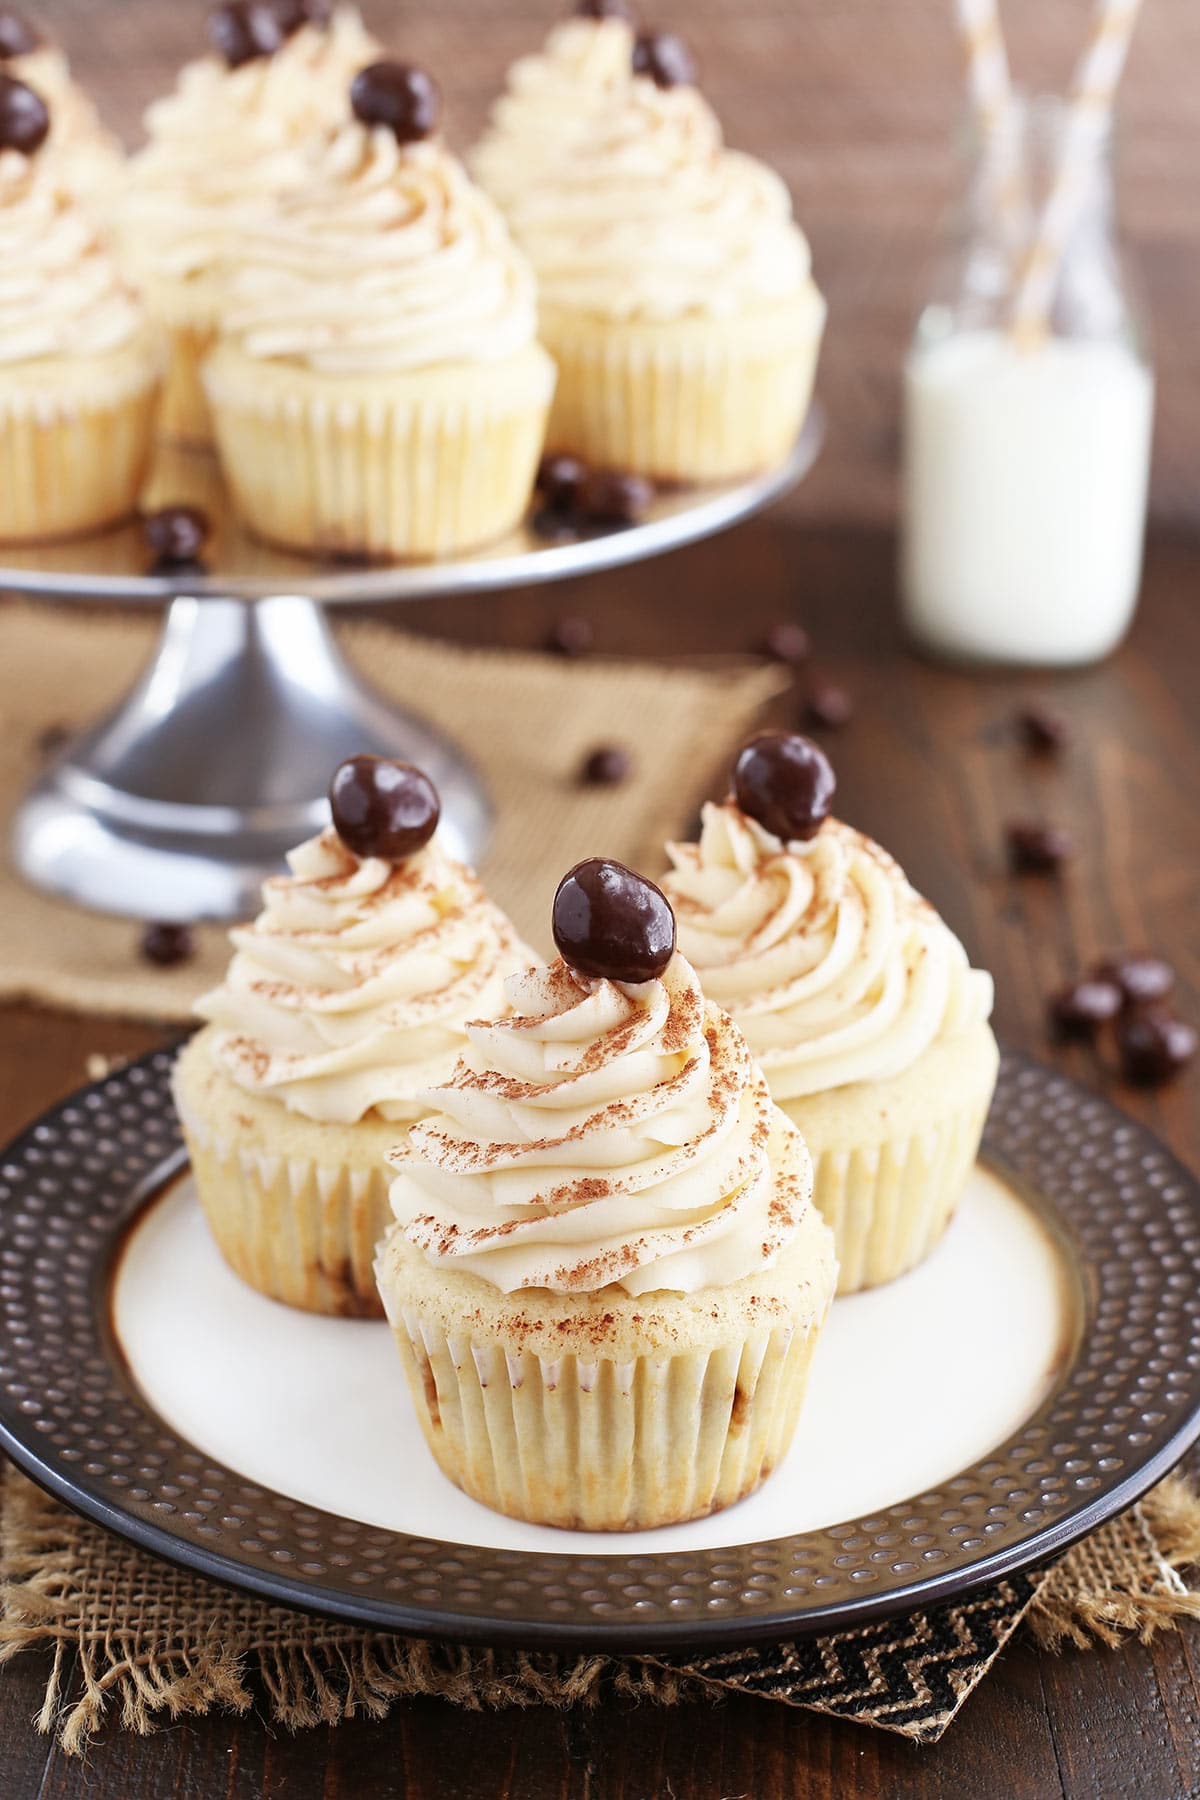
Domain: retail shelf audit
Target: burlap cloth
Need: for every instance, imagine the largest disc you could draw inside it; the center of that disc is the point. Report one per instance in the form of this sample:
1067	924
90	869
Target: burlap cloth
137	1637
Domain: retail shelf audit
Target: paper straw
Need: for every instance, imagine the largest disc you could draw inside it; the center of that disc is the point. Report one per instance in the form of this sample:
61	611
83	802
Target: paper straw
987	61
1093	92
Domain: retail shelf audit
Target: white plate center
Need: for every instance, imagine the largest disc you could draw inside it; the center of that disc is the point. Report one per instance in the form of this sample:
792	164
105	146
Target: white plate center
911	1383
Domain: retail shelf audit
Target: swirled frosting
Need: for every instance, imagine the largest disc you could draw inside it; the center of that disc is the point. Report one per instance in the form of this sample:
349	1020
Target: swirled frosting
61	293
623	194
350	991
832	964
604	1135
226	141
88	157
389	258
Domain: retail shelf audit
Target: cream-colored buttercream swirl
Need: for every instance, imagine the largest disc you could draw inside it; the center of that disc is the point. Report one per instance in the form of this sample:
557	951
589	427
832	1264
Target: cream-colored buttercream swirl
350	991
390	258
604	1135
61	293
226	141
832	964
623	194
88	158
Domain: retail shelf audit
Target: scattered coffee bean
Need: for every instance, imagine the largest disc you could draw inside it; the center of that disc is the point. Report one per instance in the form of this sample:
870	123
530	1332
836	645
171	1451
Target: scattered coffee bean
1041	730
1153	1047
52	738
665	58
176	535
398	95
606	766
571	636
786	782
556	527
17	36
560	480
24	117
1082	1007
788	642
240	33
1142	979
614	496
167	945
1036	848
611	923
383	808
828	707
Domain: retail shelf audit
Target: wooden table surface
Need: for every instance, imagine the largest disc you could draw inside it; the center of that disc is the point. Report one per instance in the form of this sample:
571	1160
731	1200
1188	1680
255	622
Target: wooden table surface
929	764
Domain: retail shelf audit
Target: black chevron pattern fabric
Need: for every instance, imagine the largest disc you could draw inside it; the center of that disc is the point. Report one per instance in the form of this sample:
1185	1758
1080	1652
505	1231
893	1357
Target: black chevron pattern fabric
908	1675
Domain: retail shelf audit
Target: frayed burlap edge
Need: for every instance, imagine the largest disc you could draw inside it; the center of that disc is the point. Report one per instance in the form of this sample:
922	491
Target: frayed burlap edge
142	1641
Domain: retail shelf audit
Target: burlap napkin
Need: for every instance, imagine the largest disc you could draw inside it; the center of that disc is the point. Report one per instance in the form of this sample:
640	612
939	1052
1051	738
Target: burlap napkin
528	720
141	1639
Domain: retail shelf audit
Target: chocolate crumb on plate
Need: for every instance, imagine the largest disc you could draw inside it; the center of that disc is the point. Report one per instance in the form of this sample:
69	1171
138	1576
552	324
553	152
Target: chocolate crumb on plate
167	945
176	536
614	497
560	478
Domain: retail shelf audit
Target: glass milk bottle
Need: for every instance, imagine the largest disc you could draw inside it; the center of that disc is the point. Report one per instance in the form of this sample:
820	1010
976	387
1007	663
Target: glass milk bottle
1026	456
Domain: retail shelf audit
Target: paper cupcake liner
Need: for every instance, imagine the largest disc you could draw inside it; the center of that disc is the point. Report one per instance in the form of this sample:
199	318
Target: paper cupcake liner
295	1230
75	446
604	1444
423	464
889	1203
687	400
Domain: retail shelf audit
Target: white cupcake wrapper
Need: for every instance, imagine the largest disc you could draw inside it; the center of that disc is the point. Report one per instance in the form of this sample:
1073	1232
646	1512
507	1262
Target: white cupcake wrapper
605	1445
295	1230
888	1204
395	474
704	406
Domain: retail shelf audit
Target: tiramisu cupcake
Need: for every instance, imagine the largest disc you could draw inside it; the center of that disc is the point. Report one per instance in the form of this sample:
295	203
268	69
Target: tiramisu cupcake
229	138
346	999
858	1001
79	363
675	287
88	158
378	389
606	1279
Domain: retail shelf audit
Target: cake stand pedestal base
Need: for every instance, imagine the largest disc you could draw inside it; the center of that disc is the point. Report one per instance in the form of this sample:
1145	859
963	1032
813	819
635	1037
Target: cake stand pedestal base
247	708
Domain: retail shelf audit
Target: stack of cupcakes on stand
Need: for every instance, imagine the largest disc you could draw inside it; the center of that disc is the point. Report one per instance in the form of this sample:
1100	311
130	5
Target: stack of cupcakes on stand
676	292
606	1279
859	1002
346	999
233	135
79	362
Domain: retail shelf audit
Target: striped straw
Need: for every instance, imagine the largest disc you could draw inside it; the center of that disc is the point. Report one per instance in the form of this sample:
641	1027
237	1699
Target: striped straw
1093	92
987	61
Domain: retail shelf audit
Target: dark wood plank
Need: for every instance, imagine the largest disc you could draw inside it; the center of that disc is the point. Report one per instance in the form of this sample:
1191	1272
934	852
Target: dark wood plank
929	765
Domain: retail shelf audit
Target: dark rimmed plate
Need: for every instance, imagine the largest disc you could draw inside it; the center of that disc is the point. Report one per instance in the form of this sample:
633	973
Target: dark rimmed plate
1124	1408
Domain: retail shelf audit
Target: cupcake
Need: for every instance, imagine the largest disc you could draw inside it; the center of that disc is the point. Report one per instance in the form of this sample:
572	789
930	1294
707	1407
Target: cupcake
88	158
858	1001
79	363
229	138
345	1000
606	1279
378	388
675	287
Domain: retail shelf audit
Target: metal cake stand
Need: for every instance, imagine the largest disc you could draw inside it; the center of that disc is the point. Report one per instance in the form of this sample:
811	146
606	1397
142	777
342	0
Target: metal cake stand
178	803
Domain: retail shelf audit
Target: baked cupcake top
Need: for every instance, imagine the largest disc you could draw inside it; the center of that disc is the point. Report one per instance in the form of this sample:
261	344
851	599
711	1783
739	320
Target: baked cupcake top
832	964
234	133
61	293
349	993
389	257
88	156
607	1133
610	167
